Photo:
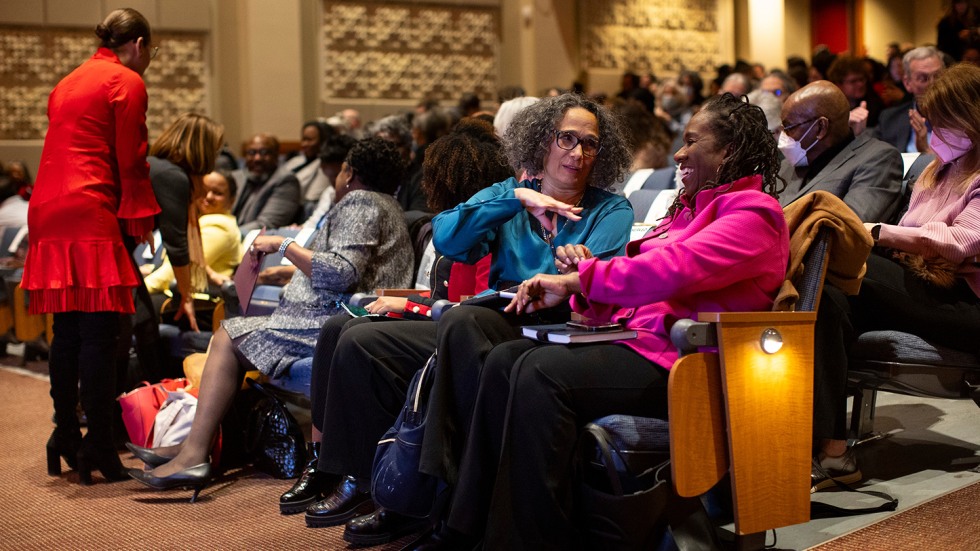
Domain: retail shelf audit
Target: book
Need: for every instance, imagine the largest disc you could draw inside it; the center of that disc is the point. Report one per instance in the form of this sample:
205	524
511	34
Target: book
246	275
561	333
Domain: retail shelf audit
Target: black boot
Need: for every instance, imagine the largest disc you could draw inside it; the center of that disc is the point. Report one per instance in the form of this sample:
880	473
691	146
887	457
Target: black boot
97	369
101	455
310	487
66	439
63	444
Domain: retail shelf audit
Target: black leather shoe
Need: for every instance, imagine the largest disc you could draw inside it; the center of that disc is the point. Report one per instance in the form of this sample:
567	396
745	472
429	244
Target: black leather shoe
146	455
381	526
196	478
343	504
311	486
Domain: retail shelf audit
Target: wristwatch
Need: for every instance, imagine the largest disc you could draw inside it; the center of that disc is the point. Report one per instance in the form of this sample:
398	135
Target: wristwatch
875	232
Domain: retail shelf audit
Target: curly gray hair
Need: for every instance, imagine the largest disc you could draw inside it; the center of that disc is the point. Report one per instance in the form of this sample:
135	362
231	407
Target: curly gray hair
530	135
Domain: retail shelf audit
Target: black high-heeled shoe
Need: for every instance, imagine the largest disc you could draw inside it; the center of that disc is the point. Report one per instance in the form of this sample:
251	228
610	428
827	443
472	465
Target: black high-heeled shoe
58	448
105	459
146	455
195	478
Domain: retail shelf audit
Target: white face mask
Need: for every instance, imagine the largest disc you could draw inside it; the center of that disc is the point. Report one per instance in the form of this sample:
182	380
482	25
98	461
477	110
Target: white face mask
793	150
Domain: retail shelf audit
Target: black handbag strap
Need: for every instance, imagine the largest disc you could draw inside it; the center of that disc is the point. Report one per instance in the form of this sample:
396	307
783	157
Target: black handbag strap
824	510
263	390
606	449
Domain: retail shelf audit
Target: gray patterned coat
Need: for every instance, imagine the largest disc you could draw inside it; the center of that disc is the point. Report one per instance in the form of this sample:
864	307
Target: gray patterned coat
363	245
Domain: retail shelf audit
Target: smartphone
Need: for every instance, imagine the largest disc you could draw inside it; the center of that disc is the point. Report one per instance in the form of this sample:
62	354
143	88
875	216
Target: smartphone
356	311
592	325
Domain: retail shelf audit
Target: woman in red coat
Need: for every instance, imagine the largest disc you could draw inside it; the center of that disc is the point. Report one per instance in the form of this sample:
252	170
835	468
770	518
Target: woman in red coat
92	187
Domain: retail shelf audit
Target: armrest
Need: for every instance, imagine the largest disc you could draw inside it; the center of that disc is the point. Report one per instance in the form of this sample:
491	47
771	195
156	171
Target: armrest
440	307
362	299
689	335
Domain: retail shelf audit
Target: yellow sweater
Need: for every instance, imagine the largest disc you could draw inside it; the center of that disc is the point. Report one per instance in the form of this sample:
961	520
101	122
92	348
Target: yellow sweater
222	242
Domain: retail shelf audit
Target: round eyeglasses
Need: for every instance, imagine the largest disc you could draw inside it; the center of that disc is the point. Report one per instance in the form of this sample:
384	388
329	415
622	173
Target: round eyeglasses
567	141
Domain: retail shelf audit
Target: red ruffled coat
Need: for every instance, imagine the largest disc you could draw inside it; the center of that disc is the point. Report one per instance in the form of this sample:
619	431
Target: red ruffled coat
93	183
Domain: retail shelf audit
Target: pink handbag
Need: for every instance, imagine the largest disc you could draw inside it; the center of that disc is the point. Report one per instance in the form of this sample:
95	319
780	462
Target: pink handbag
141	405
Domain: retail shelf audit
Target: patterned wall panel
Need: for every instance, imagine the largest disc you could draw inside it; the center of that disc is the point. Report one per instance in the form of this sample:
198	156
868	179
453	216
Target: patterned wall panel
397	51
662	36
35	59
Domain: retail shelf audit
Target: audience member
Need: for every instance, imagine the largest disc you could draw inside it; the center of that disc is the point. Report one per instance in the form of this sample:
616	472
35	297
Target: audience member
778	84
93	186
736	84
820	63
694	86
363	245
902	125
507	93
508	111
629	83
21	178
921	278
896	76
515	484
179	159
469	103
971	55
351	353
957	30
849	74
13	207
313	182
220	237
798	70
426	128
267	197
821	152
647	133
674	107
771	106
332	153
573	151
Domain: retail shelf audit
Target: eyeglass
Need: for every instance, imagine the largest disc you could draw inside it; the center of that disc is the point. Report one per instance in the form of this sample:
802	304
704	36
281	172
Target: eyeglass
567	141
263	152
153	52
792	126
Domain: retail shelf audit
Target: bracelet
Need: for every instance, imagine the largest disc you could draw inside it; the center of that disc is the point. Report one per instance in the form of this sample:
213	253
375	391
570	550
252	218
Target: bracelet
285	245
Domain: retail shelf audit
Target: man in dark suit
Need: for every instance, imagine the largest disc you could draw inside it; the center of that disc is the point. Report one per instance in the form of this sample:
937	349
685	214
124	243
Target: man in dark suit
902	125
821	153
267	197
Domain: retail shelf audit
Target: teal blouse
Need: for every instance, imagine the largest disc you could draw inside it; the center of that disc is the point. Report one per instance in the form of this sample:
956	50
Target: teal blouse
493	221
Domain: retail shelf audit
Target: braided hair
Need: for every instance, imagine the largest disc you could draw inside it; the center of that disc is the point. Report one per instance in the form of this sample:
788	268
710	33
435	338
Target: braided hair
742	128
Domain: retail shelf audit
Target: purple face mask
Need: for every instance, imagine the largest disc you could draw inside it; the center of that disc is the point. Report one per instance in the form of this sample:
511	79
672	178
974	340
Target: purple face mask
949	145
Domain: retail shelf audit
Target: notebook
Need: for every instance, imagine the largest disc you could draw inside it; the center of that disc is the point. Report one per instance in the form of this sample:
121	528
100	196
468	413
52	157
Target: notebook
561	333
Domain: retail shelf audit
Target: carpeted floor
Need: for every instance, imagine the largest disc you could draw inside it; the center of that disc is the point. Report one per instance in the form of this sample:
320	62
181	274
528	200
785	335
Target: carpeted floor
239	511
950	522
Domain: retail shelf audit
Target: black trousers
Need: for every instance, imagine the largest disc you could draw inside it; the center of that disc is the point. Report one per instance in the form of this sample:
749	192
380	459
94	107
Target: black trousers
82	360
891	298
359	391
466	335
515	477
